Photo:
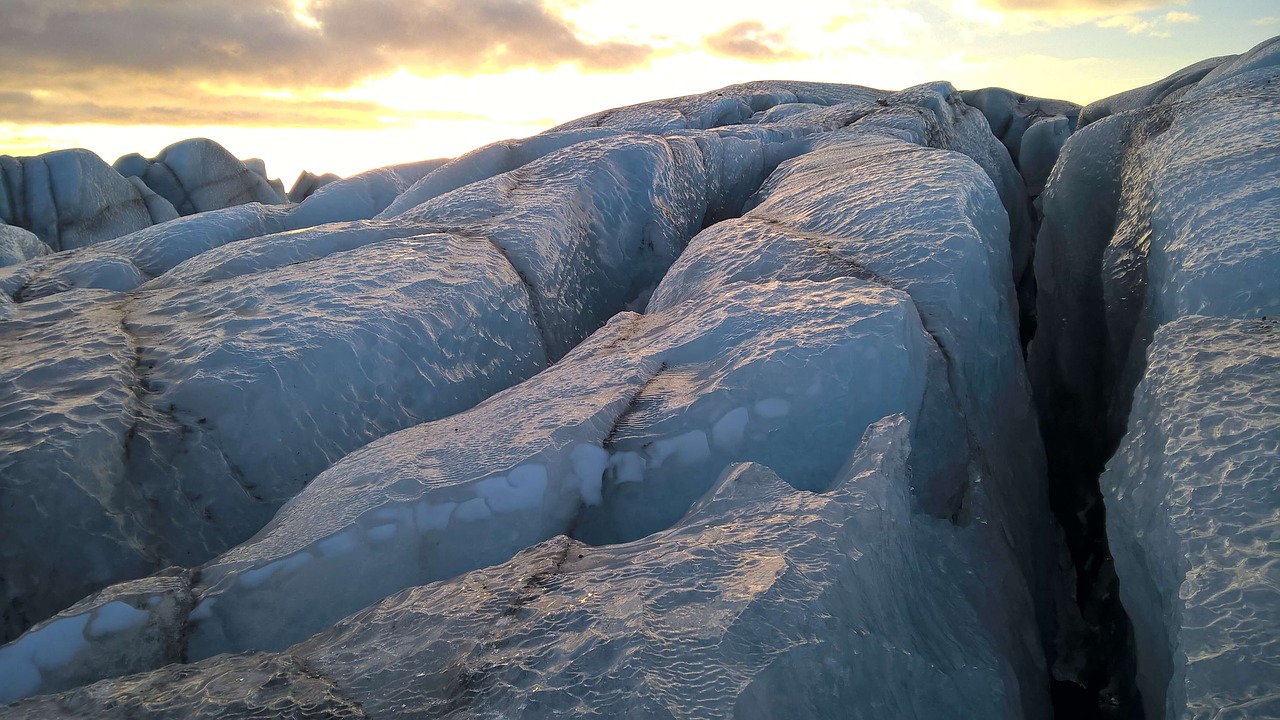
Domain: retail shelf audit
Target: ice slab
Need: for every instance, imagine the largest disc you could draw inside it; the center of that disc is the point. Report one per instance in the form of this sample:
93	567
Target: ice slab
70	199
19	245
1191	513
198	175
172	424
764	601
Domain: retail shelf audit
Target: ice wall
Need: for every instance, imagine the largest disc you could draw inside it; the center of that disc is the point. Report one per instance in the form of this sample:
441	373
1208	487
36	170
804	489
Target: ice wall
1155	214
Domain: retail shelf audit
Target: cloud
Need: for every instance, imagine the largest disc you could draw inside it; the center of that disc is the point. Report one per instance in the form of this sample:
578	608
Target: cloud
1135	17
1074	7
135	100
1131	24
88	56
321	43
1265	21
750	40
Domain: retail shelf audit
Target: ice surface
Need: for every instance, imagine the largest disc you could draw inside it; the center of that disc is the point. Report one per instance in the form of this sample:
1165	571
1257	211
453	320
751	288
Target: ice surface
18	245
735	104
153	250
622	435
1154	215
198	175
307	183
359	197
873	207
1010	115
484	163
69	199
319	341
1167	89
1192	514
133	625
173	424
541	458
764	601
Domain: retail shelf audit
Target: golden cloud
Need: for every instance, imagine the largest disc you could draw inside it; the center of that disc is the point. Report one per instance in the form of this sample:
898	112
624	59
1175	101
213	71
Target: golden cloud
751	40
102	60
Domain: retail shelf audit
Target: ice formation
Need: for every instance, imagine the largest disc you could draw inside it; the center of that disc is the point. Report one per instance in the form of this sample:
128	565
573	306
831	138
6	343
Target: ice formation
71	198
199	175
1155	215
728	612
710	406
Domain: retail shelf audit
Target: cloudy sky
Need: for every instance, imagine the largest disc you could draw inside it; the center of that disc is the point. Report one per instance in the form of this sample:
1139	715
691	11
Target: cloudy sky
345	85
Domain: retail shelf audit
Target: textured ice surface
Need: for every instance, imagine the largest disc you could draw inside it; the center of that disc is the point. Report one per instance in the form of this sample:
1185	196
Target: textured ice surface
133	624
70	199
622	435
763	601
1192	497
18	245
199	175
253	347
360	196
598	445
930	223
1153	215
172	424
318	341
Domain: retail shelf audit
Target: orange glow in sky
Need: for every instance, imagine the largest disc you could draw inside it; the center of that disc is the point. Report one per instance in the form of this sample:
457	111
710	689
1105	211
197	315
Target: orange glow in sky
347	85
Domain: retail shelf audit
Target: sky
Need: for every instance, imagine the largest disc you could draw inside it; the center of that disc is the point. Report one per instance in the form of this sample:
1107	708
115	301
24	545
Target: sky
347	85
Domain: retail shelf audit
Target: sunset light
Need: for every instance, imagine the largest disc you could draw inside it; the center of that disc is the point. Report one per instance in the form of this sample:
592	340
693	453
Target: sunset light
341	86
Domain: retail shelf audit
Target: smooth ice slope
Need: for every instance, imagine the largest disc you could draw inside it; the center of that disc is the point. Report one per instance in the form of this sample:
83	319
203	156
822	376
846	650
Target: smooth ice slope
764	601
1191	511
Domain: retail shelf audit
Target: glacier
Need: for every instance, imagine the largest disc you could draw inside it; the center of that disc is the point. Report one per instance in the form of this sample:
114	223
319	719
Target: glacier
782	400
1158	226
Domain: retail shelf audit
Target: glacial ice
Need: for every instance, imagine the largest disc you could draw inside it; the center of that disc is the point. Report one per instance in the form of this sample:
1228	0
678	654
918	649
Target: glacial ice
368	333
465	388
199	175
754	369
763	601
1191	510
1159	224
172	400
872	207
71	198
18	245
1010	115
308	183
